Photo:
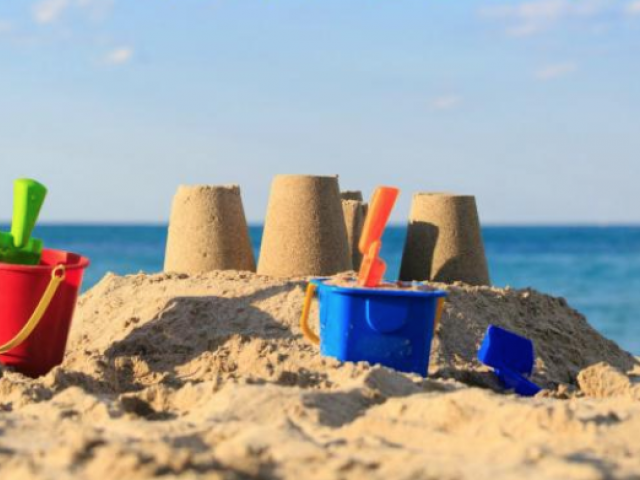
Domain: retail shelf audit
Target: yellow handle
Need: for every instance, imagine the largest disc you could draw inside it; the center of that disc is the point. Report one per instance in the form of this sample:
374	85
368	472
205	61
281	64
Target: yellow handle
439	310
304	319
57	277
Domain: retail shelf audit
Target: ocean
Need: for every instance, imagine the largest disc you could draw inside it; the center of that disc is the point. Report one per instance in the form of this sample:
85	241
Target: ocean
596	269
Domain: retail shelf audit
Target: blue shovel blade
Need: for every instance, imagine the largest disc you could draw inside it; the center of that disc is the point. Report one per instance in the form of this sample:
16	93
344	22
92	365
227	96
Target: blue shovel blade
518	383
502	349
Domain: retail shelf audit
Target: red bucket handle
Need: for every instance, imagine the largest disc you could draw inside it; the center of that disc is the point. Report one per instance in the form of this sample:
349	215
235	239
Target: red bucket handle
58	275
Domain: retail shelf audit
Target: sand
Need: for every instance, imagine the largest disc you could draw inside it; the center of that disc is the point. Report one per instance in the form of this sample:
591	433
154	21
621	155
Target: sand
208	231
304	216
208	376
354	195
444	240
354	217
350	280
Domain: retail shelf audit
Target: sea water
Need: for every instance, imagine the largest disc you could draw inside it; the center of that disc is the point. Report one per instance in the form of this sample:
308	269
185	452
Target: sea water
596	269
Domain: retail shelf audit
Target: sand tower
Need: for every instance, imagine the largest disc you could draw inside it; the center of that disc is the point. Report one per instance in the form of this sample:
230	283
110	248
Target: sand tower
352	195
353	212
208	231
444	241
354	220
304	232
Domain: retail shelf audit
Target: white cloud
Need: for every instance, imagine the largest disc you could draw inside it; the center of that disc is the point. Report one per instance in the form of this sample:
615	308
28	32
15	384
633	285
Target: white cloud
119	56
633	8
96	9
446	102
49	11
532	17
525	29
557	70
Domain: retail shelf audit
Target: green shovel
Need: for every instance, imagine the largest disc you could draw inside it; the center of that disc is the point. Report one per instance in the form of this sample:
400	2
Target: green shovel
18	247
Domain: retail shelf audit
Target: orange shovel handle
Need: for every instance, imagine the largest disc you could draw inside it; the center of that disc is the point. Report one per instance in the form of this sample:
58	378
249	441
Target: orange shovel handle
373	268
378	215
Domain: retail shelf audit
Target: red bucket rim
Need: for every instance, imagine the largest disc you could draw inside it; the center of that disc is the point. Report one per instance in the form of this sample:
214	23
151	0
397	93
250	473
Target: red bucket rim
81	263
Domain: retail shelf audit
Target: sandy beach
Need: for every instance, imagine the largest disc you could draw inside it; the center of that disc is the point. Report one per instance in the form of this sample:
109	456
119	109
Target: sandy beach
208	376
315	240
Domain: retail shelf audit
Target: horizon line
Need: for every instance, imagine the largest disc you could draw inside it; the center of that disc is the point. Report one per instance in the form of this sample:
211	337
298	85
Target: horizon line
153	224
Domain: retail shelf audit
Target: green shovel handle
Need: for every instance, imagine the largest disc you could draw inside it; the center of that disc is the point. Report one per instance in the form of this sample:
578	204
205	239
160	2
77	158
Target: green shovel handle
28	197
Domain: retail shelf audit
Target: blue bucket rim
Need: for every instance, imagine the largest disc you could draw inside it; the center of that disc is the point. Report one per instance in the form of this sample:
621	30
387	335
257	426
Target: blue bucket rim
378	292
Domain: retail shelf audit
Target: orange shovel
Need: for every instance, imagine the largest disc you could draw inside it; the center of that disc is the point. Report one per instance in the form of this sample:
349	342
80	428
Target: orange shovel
373	267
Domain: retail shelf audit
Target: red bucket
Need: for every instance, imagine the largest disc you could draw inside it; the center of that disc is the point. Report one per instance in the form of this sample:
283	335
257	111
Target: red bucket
36	308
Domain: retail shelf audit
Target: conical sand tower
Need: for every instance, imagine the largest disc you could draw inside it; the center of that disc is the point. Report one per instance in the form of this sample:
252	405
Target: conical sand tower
357	196
352	195
353	212
444	241
208	231
304	232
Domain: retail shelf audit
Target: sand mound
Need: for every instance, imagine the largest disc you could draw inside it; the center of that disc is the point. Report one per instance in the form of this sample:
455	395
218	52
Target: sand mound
604	381
208	376
564	341
148	329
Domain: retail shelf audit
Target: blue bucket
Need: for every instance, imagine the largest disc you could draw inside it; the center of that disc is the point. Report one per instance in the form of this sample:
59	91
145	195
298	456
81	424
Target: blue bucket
393	328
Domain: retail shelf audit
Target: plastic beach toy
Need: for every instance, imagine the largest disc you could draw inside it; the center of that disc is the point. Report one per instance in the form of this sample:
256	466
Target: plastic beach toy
38	290
364	322
391	327
36	309
18	247
512	358
373	267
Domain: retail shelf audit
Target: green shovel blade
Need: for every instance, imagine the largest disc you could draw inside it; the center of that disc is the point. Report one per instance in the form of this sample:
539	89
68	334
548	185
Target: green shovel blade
28	197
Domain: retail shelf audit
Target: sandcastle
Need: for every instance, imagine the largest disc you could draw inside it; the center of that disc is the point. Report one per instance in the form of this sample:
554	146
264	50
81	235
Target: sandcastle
356	195
208	231
354	211
354	221
444	241
304	232
352	195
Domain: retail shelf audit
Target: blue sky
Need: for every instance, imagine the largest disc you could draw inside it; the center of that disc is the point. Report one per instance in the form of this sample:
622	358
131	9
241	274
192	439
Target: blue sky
532	106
